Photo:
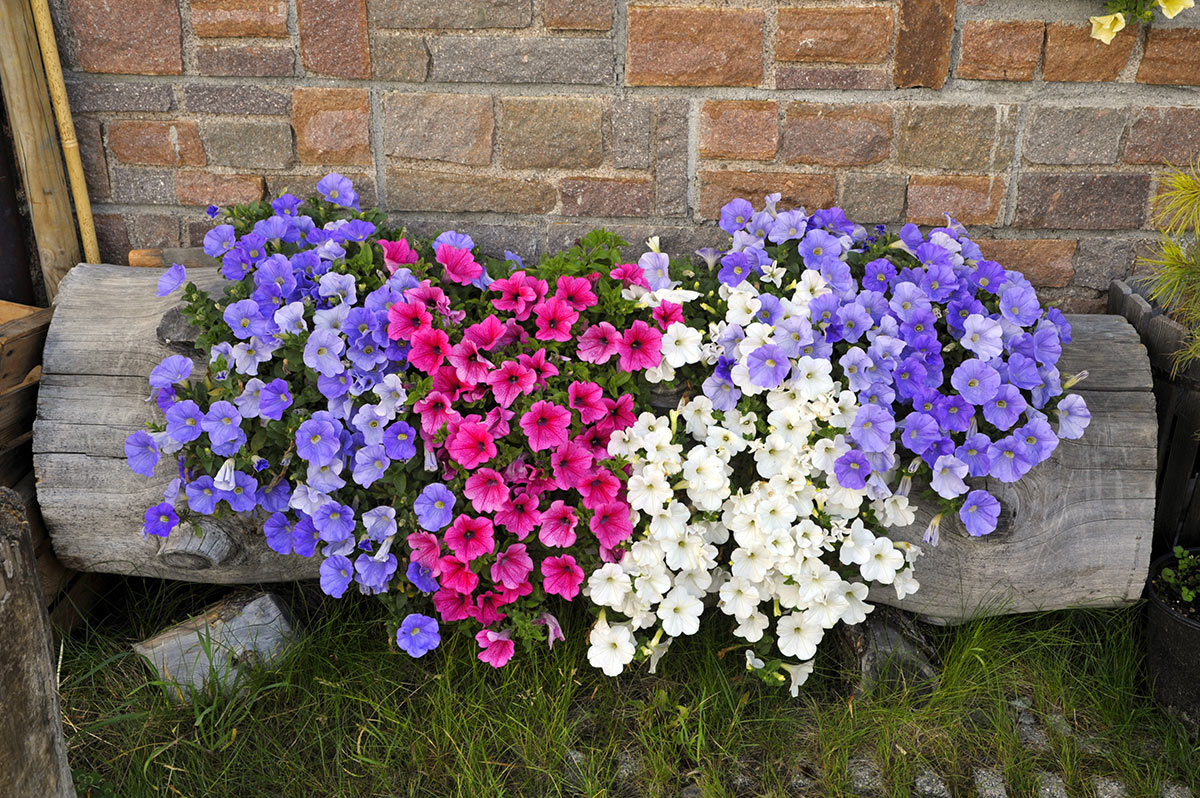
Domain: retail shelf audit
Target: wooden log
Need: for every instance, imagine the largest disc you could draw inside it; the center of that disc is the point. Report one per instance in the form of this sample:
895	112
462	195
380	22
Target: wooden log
35	143
33	754
220	646
1074	532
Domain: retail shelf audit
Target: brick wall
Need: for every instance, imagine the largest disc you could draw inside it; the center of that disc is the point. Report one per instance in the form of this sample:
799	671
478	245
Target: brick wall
530	121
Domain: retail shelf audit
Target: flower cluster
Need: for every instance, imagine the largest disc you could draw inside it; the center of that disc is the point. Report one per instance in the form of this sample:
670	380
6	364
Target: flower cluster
475	440
1106	27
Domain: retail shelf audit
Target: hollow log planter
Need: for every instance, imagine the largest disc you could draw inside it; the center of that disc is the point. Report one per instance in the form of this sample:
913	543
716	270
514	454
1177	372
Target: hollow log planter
1074	532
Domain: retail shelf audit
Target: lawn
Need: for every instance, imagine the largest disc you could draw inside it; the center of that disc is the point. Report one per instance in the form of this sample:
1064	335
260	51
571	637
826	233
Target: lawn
345	713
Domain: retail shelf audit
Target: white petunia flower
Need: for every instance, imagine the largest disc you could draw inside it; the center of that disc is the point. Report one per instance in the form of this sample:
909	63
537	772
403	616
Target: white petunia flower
751	628
798	635
857	547
882	563
799	674
611	647
680	612
609	585
739	598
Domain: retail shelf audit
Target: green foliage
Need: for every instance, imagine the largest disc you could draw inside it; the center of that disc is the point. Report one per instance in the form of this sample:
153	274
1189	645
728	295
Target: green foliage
1174	280
1134	10
1183	581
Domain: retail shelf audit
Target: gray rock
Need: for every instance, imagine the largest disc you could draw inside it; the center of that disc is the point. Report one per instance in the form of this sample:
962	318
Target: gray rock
521	59
930	785
573	772
865	777
1030	733
629	765
1059	725
692	791
1173	789
1108	788
1051	786
989	784
248	143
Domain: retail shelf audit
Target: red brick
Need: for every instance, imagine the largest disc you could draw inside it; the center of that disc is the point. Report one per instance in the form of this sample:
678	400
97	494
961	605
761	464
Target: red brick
958	138
694	47
91	153
601	196
130	37
845	35
1073	55
578	14
994	50
1163	135
332	125
742	129
253	61
1172	57
826	77
549	132
923	43
968	198
156	143
219	18
456	128
113	238
837	135
1047	262
333	37
1082	201
206	188
797	190
419	190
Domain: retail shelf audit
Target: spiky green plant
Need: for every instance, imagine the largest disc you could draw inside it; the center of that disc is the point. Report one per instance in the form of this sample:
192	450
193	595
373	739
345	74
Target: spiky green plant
1174	279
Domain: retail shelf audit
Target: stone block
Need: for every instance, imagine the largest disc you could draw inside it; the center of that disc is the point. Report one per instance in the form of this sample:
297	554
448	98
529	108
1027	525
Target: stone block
207	188
1163	135
850	35
578	14
332	125
1058	135
671	178
1073	55
333	37
1172	57
970	199
549	132
1001	50
456	128
521	59
961	138
694	47
155	143
632	122
836	134
831	77
86	96
422	190
248	143
132	37
399	56
873	198
231	18
1082	201
739	129
1046	262
464	14
923	43
250	61
809	191
602	196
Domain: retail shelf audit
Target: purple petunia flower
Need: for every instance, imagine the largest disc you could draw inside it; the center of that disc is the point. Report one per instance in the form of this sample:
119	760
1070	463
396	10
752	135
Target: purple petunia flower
954	413
979	513
788	226
183	421
305	537
274	398
202	495
219	240
374	574
278	530
370	463
856	365
141	452
920	432
1039	439
988	276
855	321
983	336
222	422
160	520
276	499
819	247
974	452
735	215
338	190
171	279
380	523
458	241
1005	408
948	473
171	370
421	577
334	522
434	507
1019	305
322	352
418	635
768	365
735	268
721	392
872	428
244	495
1009	462
336	573
852	470
399	441
976	381
1073	417
318	441
907	300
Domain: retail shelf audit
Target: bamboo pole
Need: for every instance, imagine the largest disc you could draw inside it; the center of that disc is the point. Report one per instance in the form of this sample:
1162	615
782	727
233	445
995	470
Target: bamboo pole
66	129
35	143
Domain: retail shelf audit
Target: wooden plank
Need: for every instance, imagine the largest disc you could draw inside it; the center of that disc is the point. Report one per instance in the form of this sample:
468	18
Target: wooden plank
33	753
1117	291
21	344
18	406
35	143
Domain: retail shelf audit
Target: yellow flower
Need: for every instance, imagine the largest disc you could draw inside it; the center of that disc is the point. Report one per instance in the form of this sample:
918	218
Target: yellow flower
1172	7
1105	28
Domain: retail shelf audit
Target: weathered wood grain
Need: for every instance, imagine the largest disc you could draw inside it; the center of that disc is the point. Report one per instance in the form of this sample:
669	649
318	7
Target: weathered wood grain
33	754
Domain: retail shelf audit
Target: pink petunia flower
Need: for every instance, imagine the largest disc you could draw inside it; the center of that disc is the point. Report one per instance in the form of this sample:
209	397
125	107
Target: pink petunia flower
471	445
512	566
640	347
611	523
435	411
397	254
426	550
558	526
518	293
497	421
521	516
512	594
596	439
486	609
446	380
497	647
509	381
460	264
571	463
587	399
561	576
470	537
620	414
542	368
486	490
630	274
668	313
576	292
457	576
429	348
469	362
546	424
486	334
405	319
554	320
598	343
425	291
598	487
553	628
450	604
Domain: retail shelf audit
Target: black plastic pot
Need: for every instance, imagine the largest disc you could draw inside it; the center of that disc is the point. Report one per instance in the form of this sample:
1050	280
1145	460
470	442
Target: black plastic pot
1173	654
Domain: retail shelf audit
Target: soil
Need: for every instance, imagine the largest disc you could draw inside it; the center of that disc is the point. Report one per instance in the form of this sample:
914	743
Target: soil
1177	605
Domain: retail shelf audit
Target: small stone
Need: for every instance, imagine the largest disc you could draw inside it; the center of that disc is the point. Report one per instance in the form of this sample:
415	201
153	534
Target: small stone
739	129
865	777
578	14
1173	789
1051	786
521	59
331	125
1058	135
1073	55
547	132
989	784
1108	788
1030	734
995	50
1022	702
1057	723
89	96
854	35
923	43
629	765
573	772
236	99
333	37
1172	57
248	143
693	790
930	785
675	47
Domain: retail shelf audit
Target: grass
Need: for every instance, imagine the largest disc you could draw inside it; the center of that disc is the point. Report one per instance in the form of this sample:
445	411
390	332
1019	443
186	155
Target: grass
347	714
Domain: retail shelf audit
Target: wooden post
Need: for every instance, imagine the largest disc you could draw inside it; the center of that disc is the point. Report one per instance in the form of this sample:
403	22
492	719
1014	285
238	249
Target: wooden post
35	143
33	754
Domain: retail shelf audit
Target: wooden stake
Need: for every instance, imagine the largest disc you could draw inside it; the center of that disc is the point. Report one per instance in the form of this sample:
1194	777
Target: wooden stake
35	143
66	129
